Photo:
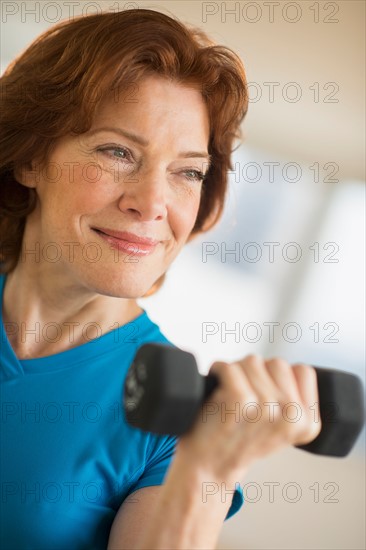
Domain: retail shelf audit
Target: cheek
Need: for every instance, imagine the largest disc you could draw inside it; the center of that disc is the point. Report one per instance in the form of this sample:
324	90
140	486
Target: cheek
185	217
87	189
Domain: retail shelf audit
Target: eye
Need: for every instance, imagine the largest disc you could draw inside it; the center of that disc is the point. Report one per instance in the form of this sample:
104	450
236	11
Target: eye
194	175
117	153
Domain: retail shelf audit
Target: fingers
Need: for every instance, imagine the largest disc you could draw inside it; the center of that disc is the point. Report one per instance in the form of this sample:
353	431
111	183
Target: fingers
232	378
249	375
308	388
258	376
254	379
267	379
283	377
307	383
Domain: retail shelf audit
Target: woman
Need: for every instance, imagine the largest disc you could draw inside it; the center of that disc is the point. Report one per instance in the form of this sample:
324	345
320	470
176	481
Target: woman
116	135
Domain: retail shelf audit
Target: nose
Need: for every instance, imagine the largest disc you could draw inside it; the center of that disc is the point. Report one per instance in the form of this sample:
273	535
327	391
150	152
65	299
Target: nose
145	195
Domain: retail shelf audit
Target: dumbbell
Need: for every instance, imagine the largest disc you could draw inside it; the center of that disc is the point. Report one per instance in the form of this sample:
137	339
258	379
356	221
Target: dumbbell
164	392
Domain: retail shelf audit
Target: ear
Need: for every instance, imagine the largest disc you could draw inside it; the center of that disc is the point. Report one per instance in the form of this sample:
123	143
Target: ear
27	174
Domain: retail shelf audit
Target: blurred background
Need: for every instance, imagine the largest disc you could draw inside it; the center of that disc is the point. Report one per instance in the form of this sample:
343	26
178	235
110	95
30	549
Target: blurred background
283	272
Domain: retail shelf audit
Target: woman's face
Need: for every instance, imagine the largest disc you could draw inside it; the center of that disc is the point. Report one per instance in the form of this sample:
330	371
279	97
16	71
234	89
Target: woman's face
137	170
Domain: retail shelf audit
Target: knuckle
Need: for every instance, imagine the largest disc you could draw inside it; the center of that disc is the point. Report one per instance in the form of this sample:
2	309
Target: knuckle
235	371
278	363
238	396
252	399
252	359
218	365
218	368
238	391
280	367
303	368
232	378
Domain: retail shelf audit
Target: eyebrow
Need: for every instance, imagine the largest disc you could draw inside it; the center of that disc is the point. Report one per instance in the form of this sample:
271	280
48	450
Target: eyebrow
144	143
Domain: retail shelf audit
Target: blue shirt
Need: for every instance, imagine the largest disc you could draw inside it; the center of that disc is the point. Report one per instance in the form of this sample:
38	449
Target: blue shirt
68	459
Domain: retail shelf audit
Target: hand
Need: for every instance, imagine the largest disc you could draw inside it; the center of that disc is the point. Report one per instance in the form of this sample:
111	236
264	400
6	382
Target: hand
259	407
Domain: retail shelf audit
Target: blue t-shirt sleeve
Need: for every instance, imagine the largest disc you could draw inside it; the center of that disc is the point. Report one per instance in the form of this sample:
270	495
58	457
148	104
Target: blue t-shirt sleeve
157	467
237	502
157	464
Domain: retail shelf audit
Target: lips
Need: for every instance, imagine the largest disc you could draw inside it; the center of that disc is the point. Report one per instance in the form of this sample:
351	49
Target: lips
127	236
126	242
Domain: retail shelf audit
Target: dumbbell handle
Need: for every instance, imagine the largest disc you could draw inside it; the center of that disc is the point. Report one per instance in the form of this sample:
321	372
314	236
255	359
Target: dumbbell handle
337	435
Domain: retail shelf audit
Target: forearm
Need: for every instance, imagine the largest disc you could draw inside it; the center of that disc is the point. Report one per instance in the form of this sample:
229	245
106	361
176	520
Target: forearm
184	516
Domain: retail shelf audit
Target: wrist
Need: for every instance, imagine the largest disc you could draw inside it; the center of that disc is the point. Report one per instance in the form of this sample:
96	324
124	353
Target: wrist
201	472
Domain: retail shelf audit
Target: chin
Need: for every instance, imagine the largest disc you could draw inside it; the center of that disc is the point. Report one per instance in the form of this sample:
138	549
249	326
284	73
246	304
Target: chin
121	287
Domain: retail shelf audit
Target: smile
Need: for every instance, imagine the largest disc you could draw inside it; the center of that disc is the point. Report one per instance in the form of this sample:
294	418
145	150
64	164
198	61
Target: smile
128	246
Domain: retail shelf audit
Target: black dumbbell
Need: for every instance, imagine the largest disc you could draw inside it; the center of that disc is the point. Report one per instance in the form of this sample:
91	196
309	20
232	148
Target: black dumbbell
164	393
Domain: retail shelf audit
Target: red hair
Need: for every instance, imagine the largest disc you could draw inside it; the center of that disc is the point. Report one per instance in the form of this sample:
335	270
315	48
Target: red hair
54	88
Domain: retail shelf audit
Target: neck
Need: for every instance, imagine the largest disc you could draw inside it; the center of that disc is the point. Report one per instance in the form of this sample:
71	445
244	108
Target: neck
46	313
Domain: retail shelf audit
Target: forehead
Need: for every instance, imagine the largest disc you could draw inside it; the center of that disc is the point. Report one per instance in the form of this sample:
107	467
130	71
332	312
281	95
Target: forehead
156	104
